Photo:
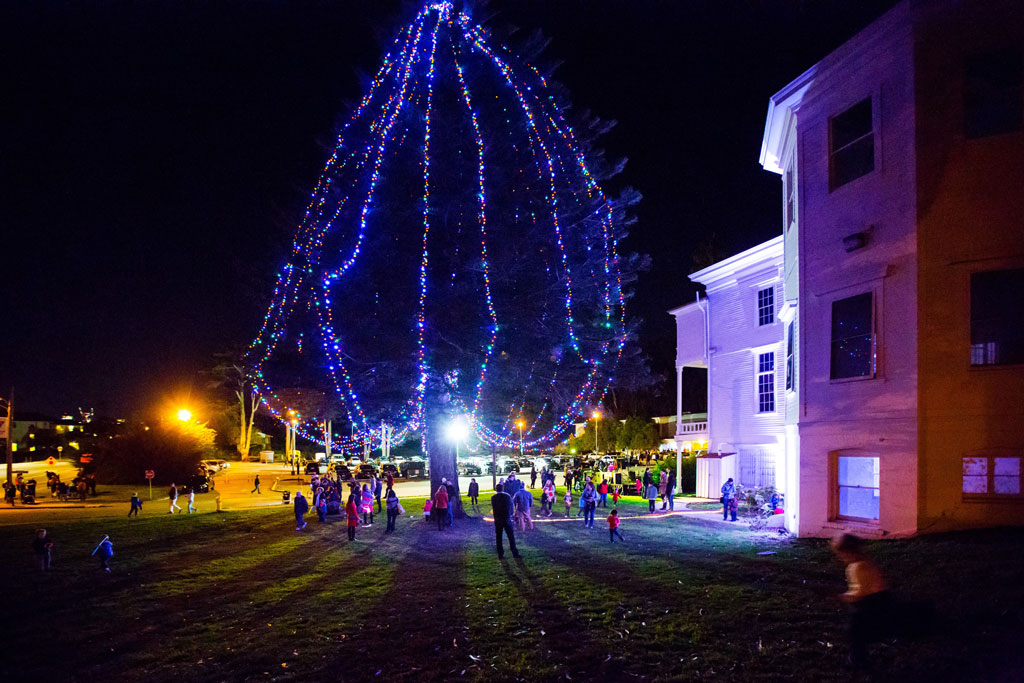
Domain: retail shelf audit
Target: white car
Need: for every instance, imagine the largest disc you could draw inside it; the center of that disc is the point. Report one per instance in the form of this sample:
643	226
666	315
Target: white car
215	465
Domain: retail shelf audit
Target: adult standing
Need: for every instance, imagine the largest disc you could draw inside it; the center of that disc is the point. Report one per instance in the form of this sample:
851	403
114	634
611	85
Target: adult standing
452	493
603	490
512	484
728	494
390	480
589	500
648	479
378	487
524	508
533	476
301	508
501	508
474	492
42	547
172	496
256	485
670	493
440	508
663	487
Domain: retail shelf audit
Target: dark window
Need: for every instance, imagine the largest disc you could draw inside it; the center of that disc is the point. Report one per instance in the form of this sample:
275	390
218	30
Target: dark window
790	196
992	93
790	363
851	145
997	317
766	382
766	306
853	352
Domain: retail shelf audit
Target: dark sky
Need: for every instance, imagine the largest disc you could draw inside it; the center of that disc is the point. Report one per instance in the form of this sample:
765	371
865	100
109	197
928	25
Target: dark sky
157	155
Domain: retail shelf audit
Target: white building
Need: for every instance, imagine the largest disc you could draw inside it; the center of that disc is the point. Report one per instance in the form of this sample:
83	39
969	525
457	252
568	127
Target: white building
736	333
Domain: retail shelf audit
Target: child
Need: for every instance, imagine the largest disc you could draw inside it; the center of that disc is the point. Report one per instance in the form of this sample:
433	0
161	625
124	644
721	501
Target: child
42	547
136	505
192	500
639	486
871	604
321	509
352	513
367	500
616	492
426	509
105	551
568	501
613	527
652	495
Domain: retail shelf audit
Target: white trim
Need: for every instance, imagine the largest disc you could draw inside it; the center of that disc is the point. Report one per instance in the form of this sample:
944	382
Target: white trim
732	266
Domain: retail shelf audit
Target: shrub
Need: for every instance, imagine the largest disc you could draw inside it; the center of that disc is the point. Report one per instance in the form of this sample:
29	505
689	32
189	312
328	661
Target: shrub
172	451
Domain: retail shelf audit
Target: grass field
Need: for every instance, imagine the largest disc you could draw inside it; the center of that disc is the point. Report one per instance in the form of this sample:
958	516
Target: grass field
242	596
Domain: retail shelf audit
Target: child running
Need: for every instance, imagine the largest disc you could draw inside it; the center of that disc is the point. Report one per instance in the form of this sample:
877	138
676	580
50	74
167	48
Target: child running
613	527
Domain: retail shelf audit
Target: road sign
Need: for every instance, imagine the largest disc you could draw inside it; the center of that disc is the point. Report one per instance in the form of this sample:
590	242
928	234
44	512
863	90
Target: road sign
51	462
150	474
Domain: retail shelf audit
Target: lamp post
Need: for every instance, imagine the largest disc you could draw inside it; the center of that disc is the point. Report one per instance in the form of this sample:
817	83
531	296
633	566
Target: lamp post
597	418
184	414
520	423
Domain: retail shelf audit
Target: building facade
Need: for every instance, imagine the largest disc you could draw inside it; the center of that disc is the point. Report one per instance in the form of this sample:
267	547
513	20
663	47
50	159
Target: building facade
902	157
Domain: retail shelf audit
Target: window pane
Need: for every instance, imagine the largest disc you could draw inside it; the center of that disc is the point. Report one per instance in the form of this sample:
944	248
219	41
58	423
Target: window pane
997	317
1006	485
974	484
858	472
852	162
1007	467
992	93
853	123
858	502
977	467
852	337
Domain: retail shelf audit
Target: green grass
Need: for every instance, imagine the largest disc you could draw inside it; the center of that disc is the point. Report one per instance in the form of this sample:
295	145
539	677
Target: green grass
242	596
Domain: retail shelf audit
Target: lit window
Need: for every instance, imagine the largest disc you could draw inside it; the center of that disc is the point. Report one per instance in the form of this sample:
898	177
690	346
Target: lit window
992	476
790	359
992	93
851	145
852	337
766	382
858	483
997	317
766	306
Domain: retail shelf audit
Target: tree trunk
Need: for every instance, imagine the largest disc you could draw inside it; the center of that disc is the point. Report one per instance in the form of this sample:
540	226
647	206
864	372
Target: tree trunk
443	463
243	451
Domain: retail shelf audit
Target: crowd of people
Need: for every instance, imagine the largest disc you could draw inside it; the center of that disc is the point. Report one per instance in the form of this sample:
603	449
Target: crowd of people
358	502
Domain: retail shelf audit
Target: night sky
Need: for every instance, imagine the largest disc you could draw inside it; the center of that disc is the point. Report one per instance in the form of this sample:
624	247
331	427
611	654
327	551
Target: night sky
156	157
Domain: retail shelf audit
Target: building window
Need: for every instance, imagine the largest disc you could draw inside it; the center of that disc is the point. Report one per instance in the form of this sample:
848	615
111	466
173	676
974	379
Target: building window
992	93
992	476
857	482
766	382
851	145
790	360
766	306
853	348
997	317
790	197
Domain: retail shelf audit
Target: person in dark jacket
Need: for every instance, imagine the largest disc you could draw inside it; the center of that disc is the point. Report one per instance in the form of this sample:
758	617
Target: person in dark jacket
42	547
378	487
452	495
136	505
501	508
301	508
474	492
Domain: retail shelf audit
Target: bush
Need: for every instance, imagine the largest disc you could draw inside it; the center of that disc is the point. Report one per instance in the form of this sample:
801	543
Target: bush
172	451
689	472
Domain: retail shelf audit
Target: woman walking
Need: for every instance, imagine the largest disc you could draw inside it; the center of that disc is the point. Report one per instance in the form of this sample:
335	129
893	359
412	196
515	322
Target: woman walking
589	500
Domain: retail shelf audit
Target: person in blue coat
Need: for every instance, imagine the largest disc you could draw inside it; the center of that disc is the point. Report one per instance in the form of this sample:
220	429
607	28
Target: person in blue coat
301	508
728	495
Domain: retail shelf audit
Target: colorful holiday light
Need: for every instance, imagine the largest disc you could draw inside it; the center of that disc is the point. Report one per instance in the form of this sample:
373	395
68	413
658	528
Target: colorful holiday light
401	98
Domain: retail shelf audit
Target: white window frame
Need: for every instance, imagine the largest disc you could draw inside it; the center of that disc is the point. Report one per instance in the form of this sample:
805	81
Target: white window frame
837	487
767	376
989	457
770	290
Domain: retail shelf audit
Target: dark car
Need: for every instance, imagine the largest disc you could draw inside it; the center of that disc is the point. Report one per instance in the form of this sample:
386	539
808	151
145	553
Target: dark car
387	468
468	469
365	471
413	468
343	472
312	467
200	483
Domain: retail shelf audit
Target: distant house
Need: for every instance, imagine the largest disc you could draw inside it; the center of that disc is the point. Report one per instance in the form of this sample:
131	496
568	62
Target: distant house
737	335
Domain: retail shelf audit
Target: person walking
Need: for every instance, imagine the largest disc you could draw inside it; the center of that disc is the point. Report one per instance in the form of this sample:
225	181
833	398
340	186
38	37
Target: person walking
394	508
301	507
352	515
616	494
366	498
524	507
136	505
589	500
567	499
105	551
390	478
474	492
378	487
440	508
639	486
172	496
872	607
670	493
42	547
547	500
533	476
603	490
613	526
192	500
501	508
652	496
728	498
256	488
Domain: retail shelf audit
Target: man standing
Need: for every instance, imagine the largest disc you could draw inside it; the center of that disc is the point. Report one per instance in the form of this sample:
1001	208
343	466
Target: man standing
670	493
378	485
474	492
533	476
728	493
256	488
172	495
301	508
524	504
390	481
501	508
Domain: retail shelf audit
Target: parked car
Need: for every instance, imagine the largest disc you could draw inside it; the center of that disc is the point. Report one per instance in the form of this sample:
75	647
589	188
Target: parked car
413	468
312	467
468	469
343	472
199	482
214	465
365	471
387	467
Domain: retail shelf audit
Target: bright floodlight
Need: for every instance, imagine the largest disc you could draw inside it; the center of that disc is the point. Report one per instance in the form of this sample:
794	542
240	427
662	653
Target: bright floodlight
597	415
457	430
185	415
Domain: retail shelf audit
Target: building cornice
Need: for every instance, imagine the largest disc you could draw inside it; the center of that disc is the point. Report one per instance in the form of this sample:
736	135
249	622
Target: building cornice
765	254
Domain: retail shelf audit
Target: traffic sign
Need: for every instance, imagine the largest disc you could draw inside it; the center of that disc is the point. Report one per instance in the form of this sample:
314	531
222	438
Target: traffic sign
150	474
51	462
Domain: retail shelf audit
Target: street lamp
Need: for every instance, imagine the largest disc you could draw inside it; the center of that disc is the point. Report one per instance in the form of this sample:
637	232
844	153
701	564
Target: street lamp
456	431
520	423
597	418
184	414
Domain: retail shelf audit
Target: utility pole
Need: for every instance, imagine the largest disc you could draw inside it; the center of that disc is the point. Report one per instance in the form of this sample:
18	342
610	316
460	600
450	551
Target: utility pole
494	466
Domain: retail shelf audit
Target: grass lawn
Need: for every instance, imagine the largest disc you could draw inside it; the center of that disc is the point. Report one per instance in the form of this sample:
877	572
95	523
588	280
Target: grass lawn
241	596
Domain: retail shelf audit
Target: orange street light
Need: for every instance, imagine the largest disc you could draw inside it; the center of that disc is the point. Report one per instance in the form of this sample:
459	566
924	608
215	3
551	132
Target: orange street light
185	415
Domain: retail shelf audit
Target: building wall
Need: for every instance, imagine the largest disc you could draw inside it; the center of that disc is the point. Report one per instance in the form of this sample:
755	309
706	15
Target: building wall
971	218
876	415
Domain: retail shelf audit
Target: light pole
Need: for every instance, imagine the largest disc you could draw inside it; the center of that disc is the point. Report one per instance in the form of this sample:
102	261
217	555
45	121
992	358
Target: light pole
597	418
520	424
